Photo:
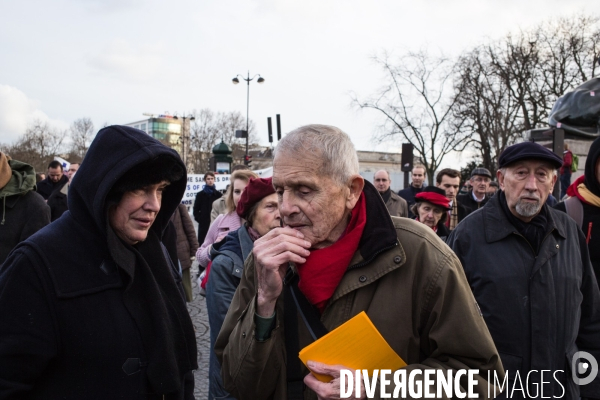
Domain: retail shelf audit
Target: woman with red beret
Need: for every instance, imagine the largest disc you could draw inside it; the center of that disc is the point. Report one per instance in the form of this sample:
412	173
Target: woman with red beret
258	206
431	206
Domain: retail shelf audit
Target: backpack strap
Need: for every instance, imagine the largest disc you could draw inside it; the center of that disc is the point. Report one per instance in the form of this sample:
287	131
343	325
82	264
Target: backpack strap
574	210
295	302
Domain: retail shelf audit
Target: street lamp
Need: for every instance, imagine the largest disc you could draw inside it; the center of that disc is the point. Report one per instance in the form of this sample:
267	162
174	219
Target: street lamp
184	117
248	79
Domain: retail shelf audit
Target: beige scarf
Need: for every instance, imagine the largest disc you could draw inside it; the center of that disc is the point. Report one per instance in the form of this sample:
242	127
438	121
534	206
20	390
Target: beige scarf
453	219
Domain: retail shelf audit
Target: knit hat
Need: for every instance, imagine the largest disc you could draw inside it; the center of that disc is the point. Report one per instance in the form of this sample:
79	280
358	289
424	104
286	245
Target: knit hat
528	150
256	190
5	170
433	195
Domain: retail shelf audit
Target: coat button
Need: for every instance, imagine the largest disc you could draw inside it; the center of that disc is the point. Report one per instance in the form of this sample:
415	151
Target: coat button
557	246
397	259
243	334
362	279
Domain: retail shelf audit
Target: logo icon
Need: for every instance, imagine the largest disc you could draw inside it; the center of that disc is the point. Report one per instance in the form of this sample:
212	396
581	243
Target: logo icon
584	363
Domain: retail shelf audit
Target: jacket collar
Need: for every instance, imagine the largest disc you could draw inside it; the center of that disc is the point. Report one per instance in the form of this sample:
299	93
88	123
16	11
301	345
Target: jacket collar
379	236
497	226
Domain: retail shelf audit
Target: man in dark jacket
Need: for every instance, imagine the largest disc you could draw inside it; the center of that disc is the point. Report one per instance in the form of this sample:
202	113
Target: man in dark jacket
529	269
203	205
91	305
23	211
477	196
416	186
55	180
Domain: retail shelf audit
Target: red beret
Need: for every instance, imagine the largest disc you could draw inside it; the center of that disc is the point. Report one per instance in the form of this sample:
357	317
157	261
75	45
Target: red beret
256	190
435	196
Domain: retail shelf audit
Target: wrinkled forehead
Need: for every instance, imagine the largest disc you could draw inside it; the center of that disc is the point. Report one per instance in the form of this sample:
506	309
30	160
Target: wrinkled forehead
291	169
530	163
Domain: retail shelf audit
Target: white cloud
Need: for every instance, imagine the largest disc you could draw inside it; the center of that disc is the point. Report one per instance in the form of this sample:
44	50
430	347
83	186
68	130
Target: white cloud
119	59
17	112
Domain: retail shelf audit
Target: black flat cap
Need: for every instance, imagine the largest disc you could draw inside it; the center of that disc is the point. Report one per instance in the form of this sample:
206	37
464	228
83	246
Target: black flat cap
481	171
528	151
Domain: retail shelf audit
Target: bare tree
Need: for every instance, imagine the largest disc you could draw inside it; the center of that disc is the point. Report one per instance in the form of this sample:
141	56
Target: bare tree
208	129
417	105
81	134
38	145
484	104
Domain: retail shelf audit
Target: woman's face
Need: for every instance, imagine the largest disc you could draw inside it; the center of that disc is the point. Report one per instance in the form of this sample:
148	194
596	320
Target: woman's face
267	215
238	188
430	214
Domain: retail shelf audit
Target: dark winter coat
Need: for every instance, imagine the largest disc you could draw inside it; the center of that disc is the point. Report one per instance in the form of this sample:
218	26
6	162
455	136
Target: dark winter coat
409	194
86	316
226	271
58	202
408	282
540	309
46	187
202	209
469	202
23	212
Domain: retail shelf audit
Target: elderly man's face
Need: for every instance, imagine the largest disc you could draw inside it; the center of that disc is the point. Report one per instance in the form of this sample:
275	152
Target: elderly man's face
382	181
430	214
55	174
133	216
310	202
527	185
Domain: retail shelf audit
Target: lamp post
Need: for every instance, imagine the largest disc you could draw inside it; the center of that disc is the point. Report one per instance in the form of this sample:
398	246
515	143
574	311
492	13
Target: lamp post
248	79
184	117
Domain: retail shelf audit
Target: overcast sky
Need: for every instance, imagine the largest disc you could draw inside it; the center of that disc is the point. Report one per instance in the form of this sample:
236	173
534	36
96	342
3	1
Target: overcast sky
112	60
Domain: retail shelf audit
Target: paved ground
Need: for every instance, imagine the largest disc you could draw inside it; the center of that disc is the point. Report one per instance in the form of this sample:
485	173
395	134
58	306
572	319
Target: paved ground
197	309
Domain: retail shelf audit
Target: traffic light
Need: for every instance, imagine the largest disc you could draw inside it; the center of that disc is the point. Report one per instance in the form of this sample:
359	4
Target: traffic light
247	160
212	165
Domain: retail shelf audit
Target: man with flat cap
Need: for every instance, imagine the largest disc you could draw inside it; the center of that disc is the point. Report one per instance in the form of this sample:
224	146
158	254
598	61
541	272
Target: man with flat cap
529	269
480	182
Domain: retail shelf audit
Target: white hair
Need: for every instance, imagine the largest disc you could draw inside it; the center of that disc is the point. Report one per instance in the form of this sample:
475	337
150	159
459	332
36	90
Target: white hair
338	155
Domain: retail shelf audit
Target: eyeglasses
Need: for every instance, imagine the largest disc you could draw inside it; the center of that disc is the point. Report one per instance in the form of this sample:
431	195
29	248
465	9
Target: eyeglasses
482	179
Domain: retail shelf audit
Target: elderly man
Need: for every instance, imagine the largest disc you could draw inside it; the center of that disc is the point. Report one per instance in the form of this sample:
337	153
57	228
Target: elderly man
396	205
448	180
529	269
54	180
91	305
416	186
480	182
350	256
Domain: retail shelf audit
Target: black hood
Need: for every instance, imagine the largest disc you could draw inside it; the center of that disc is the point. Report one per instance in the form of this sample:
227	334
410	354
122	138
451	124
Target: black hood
591	181
116	150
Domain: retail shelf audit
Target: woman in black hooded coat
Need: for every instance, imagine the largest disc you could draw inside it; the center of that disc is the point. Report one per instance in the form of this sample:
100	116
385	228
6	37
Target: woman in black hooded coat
587	189
90	305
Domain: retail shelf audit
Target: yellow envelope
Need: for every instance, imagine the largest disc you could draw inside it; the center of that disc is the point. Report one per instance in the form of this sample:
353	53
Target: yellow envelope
356	344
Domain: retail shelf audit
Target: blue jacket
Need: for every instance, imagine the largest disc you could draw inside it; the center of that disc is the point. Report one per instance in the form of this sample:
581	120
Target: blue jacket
225	274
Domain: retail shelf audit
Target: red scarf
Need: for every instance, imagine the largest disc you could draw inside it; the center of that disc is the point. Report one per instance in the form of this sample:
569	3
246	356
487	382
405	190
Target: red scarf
324	268
572	190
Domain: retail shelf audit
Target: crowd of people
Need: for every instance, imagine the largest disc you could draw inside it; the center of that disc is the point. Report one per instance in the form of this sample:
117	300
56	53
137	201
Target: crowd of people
96	271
